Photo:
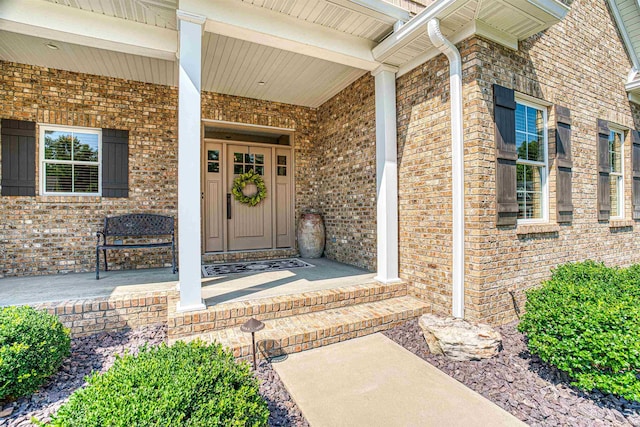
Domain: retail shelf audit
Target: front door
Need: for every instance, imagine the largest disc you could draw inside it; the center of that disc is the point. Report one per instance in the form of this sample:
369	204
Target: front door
229	225
249	227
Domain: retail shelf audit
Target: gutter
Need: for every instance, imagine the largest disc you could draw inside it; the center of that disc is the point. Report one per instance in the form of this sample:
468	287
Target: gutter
441	9
457	162
411	30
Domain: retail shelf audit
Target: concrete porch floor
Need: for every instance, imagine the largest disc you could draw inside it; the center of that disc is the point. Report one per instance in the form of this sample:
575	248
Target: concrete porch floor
326	274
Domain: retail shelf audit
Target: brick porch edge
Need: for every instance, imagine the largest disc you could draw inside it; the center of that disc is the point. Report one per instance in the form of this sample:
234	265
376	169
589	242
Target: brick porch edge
114	313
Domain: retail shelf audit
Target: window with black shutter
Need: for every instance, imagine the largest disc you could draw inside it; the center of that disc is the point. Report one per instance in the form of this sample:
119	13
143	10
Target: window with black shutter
521	158
73	160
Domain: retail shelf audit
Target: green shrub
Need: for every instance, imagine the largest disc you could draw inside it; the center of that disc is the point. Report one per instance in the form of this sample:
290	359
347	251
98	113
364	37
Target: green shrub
586	321
33	344
183	385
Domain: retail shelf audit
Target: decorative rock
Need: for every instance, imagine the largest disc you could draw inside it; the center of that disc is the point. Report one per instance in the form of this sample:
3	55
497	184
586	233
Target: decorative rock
533	381
458	339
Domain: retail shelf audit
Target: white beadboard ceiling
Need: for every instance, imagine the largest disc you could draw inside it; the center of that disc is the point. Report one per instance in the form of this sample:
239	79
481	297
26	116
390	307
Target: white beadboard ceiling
161	13
235	67
84	59
229	66
330	15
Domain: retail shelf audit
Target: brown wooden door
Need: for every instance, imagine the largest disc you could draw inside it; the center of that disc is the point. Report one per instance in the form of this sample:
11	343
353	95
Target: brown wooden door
249	227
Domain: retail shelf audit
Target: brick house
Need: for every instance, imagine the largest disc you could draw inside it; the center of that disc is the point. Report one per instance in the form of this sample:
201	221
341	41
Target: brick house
464	147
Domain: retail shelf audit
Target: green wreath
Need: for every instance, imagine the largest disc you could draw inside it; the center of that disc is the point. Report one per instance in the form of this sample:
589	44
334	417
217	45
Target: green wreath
249	178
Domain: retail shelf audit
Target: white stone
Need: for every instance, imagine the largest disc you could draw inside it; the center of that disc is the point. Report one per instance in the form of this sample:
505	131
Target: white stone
458	339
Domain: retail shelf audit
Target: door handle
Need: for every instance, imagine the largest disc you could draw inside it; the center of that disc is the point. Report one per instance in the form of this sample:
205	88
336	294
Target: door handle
228	205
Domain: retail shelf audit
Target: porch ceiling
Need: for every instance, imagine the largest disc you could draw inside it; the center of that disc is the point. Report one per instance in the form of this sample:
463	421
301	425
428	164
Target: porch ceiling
160	13
27	49
230	66
341	15
351	17
304	51
236	67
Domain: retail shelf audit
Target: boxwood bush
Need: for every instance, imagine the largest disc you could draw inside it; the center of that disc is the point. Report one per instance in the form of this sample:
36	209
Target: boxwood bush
585	321
183	385
33	344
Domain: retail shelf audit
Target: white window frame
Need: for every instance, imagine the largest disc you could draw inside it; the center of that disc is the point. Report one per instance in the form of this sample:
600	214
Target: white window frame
541	106
619	175
43	161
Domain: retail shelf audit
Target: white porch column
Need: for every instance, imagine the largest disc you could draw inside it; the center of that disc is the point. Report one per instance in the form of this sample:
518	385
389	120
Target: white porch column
190	69
386	173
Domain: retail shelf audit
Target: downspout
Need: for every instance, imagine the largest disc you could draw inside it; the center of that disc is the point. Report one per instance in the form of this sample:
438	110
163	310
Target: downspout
457	162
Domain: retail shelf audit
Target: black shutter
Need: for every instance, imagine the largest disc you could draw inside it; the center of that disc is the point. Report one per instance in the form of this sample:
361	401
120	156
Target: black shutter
564	164
604	168
635	139
115	163
504	110
18	158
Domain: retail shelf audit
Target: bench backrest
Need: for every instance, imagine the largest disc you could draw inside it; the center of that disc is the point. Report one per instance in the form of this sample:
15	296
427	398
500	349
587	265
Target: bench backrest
138	225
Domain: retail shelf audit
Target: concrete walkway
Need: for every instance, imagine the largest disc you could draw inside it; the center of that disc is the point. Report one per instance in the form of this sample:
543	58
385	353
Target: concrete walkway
372	381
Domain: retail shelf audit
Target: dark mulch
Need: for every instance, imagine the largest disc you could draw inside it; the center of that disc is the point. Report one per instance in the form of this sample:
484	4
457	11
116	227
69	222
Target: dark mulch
523	385
98	352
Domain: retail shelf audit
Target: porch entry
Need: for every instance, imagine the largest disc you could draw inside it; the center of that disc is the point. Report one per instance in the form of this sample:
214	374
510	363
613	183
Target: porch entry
233	226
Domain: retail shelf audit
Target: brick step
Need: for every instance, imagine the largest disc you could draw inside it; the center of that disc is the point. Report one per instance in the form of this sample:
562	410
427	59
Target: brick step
225	315
305	331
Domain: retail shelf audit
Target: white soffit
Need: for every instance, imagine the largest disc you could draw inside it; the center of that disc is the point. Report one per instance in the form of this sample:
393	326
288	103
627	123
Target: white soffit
230	66
160	13
627	16
81	27
342	15
503	21
83	59
240	20
236	67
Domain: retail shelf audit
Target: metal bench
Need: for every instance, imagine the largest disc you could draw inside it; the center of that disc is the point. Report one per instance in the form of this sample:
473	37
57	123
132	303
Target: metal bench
135	225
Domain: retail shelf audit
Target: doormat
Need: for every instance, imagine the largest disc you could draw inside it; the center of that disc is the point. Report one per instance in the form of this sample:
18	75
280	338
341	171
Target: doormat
213	270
